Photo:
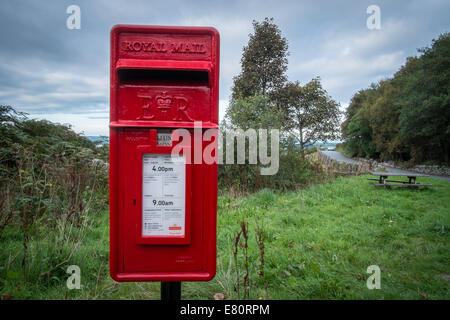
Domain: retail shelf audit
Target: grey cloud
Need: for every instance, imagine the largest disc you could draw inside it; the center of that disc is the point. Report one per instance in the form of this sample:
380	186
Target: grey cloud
46	68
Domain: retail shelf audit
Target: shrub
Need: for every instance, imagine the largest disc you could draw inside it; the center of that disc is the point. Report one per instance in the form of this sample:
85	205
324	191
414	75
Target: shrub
48	180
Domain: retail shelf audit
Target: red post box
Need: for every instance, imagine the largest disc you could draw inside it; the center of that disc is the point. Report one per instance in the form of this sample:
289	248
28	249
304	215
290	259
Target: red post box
162	204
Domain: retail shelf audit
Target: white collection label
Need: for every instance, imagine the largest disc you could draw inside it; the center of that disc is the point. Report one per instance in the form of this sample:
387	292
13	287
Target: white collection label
163	195
164	139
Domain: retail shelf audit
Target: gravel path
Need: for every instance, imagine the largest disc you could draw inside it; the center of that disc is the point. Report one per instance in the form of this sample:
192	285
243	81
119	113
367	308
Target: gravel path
341	158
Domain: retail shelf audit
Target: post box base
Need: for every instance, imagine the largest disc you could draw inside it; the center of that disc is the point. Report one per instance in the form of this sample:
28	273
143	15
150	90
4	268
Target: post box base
130	277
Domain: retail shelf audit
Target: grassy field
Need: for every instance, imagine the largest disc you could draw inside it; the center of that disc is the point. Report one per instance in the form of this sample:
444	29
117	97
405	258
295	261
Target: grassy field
318	244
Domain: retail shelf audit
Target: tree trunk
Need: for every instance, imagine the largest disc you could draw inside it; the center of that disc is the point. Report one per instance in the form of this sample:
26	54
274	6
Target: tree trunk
302	147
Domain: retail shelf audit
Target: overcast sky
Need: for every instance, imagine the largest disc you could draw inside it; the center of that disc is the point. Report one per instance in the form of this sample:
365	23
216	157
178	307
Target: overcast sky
62	75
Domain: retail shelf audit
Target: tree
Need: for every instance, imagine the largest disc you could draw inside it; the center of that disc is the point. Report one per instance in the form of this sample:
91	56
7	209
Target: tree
360	136
263	62
406	117
358	101
311	114
254	112
425	104
384	113
357	129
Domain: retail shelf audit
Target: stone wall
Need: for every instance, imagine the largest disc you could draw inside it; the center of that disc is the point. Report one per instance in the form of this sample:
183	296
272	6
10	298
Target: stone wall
431	170
342	167
365	165
424	169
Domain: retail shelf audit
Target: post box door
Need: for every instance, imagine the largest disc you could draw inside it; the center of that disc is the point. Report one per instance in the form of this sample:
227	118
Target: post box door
167	253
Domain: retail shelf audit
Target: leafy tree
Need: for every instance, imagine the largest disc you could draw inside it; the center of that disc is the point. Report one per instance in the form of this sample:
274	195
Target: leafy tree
264	62
311	114
360	132
406	117
254	112
384	113
258	96
425	103
357	102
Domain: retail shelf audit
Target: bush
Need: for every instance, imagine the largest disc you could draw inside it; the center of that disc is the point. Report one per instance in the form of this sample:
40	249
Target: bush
294	172
48	179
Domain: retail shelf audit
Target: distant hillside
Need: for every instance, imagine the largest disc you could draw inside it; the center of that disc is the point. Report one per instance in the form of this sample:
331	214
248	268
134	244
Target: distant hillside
101	139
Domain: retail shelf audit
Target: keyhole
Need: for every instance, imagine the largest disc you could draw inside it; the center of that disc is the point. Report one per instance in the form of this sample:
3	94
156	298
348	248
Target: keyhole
134	202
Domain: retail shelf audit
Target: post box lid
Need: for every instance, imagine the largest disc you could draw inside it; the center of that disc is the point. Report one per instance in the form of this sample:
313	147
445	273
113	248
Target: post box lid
171	49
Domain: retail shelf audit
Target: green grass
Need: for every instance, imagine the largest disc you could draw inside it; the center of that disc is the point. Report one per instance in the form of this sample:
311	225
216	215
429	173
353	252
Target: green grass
319	243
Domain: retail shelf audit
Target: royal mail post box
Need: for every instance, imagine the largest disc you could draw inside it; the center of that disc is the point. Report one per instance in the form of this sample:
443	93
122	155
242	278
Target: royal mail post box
163	204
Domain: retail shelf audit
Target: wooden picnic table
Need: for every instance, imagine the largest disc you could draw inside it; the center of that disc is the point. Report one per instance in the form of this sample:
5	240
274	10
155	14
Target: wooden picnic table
384	176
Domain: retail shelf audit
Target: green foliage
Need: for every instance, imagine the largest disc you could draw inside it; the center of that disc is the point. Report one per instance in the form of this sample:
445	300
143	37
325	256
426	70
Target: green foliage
262	99
386	143
257	112
318	244
263	62
405	118
310	113
48	179
425	104
294	172
361	141
45	140
253	112
103	149
320	241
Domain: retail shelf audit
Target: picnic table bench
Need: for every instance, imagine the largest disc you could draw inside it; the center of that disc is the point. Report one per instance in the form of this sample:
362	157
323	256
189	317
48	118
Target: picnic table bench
411	183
